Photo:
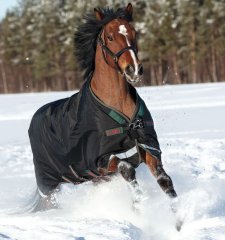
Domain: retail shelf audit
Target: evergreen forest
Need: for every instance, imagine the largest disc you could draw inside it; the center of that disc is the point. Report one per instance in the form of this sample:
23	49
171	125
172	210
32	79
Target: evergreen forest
180	41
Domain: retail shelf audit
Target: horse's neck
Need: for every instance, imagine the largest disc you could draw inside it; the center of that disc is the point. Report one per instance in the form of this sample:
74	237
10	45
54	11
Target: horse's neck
111	88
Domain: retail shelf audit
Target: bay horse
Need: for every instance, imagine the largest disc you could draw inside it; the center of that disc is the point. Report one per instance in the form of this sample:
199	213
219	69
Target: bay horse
106	127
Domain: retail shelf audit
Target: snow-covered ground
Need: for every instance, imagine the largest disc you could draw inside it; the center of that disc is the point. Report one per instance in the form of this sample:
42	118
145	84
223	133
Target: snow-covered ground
190	122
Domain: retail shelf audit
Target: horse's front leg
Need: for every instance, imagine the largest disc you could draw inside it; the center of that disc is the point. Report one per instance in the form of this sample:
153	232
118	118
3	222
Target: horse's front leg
157	170
164	182
124	168
129	174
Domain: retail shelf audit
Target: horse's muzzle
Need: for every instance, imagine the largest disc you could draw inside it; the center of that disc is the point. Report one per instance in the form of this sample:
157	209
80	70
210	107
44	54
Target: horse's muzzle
133	76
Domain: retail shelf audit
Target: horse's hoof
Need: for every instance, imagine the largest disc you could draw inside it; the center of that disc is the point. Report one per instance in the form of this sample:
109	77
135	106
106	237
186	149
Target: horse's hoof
179	225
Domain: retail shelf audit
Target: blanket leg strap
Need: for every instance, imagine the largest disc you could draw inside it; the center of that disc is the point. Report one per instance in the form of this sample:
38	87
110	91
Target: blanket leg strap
138	151
76	175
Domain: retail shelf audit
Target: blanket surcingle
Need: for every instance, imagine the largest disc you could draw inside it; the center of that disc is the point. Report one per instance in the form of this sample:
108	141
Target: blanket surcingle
73	137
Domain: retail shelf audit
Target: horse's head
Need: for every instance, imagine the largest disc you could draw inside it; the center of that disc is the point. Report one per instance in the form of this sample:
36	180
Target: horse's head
118	40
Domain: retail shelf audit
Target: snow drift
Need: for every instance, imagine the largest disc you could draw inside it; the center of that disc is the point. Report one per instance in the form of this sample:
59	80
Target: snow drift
189	120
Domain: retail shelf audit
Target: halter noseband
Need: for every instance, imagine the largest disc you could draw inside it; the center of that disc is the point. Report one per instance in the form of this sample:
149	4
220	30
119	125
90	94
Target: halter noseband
115	56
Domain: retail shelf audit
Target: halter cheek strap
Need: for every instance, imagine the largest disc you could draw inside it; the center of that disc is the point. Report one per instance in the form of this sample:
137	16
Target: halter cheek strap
115	56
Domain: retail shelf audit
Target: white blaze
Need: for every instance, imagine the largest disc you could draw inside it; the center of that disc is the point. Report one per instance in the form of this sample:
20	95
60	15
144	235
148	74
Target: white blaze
123	31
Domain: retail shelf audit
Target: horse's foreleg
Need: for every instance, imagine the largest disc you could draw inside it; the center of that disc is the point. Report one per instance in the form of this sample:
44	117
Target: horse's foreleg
129	174
127	171
157	170
123	167
164	182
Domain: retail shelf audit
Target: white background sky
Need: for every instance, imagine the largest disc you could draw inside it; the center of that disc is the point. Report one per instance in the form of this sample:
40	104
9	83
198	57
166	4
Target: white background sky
6	4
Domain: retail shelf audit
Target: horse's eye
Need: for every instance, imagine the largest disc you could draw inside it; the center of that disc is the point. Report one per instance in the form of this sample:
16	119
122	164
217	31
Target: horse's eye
110	38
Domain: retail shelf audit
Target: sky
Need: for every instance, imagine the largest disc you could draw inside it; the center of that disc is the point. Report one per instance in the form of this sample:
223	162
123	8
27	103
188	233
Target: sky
6	4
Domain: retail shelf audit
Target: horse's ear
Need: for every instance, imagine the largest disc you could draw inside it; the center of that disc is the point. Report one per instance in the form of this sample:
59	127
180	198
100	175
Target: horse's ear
98	14
129	9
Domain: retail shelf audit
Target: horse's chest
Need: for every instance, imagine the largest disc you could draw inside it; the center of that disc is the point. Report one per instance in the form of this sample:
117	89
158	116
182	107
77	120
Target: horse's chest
127	108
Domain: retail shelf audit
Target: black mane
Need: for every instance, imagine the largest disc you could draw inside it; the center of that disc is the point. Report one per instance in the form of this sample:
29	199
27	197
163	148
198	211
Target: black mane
87	33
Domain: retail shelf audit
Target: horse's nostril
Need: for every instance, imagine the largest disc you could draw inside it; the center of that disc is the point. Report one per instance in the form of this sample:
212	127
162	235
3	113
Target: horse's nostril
140	70
129	70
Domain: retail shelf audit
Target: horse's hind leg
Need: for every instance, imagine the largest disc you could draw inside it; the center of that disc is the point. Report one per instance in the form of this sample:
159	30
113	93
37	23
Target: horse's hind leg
43	203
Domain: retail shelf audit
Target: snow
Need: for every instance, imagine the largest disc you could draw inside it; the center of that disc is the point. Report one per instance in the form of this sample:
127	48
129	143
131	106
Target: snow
189	120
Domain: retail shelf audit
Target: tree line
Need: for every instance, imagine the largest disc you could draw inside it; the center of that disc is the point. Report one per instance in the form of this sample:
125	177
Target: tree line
179	42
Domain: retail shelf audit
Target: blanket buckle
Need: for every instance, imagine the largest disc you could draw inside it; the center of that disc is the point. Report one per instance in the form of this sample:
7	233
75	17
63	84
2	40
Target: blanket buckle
137	123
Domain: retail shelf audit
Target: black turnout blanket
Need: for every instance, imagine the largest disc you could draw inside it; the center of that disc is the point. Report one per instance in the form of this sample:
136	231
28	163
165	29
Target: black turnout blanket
73	137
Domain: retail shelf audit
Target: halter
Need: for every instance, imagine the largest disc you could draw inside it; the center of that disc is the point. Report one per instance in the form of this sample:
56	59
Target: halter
115	56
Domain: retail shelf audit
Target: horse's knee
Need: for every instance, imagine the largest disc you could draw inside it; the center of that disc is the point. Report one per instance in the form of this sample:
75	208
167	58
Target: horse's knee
165	182
127	171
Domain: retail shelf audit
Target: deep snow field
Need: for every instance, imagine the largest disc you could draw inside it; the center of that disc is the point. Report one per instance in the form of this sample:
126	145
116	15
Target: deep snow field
190	123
